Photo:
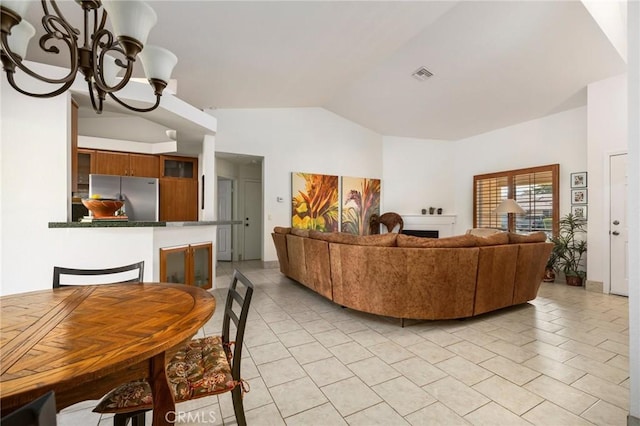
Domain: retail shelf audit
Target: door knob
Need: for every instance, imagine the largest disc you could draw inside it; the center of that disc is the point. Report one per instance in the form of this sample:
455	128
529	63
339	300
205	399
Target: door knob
616	222
246	224
615	233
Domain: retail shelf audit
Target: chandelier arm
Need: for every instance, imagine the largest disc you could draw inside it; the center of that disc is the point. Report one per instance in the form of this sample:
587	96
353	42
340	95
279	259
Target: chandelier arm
98	61
59	14
97	107
60	90
17	61
151	108
103	21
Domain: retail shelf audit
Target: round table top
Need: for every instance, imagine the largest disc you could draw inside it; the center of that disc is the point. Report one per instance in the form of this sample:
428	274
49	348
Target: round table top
81	333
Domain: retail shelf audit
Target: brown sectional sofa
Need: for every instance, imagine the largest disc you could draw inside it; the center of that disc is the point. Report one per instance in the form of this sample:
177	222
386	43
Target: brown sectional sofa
402	276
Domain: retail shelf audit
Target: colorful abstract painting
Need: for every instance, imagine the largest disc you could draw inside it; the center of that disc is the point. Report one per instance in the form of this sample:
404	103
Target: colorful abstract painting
360	200
314	203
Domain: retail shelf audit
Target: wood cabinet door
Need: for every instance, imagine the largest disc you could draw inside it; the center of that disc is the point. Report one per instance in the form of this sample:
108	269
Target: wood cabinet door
201	260
74	146
143	165
178	200
178	167
112	163
174	265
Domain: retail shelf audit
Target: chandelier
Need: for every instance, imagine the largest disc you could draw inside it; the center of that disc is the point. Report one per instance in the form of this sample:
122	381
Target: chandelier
102	56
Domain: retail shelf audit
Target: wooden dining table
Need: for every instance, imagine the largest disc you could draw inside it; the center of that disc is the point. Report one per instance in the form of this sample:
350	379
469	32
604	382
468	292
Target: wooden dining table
83	341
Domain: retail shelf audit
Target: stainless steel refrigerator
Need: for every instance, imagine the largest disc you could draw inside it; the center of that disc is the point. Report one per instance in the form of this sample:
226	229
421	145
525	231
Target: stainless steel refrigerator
140	194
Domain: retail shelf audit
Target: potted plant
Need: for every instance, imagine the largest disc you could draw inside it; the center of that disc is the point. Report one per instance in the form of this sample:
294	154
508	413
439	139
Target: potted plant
570	246
552	264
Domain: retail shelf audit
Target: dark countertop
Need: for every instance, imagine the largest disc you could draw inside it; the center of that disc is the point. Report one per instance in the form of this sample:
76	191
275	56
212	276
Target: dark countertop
135	224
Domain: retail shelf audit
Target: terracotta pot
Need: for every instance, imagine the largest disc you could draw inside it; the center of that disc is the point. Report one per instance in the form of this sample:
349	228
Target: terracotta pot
549	275
574	280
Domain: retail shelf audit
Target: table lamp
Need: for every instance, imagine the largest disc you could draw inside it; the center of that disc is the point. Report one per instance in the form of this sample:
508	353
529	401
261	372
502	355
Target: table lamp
510	207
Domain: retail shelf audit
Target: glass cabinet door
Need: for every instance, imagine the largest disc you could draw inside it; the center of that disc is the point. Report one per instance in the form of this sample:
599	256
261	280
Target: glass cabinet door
201	260
174	265
178	167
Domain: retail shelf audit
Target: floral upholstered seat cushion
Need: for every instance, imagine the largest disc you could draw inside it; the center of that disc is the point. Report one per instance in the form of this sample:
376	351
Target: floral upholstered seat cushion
201	368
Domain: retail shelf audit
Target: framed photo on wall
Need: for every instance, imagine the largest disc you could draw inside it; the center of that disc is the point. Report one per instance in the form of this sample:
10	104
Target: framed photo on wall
579	212
579	180
579	196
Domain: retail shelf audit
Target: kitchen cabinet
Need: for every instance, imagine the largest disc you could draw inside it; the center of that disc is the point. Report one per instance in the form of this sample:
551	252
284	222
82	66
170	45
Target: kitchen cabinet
126	164
74	146
178	200
189	264
173	166
85	164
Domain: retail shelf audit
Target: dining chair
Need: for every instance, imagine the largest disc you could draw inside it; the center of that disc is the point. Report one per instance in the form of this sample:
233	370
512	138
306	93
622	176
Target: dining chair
122	274
39	412
203	367
390	220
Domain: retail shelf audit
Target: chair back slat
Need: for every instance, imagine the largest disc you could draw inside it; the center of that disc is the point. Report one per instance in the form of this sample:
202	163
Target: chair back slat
239	321
39	412
133	273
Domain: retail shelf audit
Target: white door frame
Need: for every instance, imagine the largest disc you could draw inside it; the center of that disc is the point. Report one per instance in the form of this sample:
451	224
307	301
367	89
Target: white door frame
606	285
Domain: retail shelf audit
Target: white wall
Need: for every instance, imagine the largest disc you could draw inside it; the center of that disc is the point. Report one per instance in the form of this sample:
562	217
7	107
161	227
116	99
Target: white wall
634	207
417	174
607	134
310	140
560	138
35	180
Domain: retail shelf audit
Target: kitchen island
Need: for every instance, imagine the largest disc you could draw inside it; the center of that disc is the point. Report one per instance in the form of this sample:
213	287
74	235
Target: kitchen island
103	244
139	224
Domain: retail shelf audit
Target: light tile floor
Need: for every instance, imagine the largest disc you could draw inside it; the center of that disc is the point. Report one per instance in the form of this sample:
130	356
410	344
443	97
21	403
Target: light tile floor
561	359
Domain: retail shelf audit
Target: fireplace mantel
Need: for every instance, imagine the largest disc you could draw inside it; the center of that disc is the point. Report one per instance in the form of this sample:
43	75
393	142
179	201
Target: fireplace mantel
443	223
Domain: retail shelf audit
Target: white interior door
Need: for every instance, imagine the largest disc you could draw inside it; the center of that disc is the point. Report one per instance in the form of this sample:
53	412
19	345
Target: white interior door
252	220
618	235
225	210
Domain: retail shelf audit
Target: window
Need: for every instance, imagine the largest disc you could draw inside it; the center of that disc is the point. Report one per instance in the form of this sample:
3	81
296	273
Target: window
534	189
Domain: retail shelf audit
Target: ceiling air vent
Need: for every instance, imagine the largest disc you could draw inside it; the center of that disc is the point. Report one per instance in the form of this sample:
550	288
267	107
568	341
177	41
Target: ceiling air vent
421	74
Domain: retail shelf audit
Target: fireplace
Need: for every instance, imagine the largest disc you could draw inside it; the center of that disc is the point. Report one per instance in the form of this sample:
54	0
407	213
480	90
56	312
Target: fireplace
421	233
435	225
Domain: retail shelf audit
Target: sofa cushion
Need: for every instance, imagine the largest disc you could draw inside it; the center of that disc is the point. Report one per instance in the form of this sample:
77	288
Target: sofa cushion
447	242
282	230
534	237
382	240
300	232
492	240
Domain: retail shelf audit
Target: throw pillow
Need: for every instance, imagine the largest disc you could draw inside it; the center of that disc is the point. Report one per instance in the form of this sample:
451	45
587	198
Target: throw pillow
534	237
483	232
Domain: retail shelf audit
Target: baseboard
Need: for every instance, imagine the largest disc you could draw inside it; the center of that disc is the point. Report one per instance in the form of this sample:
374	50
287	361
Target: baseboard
596	286
633	421
271	264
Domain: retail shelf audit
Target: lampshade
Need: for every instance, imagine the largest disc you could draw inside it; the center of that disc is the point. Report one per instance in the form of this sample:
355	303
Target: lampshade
17	6
158	62
509	206
19	38
131	18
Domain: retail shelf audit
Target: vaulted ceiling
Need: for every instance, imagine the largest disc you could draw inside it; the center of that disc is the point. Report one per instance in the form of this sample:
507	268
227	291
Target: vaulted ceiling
494	63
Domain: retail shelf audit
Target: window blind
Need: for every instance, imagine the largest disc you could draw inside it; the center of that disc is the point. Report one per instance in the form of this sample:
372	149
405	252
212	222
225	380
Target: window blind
534	189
